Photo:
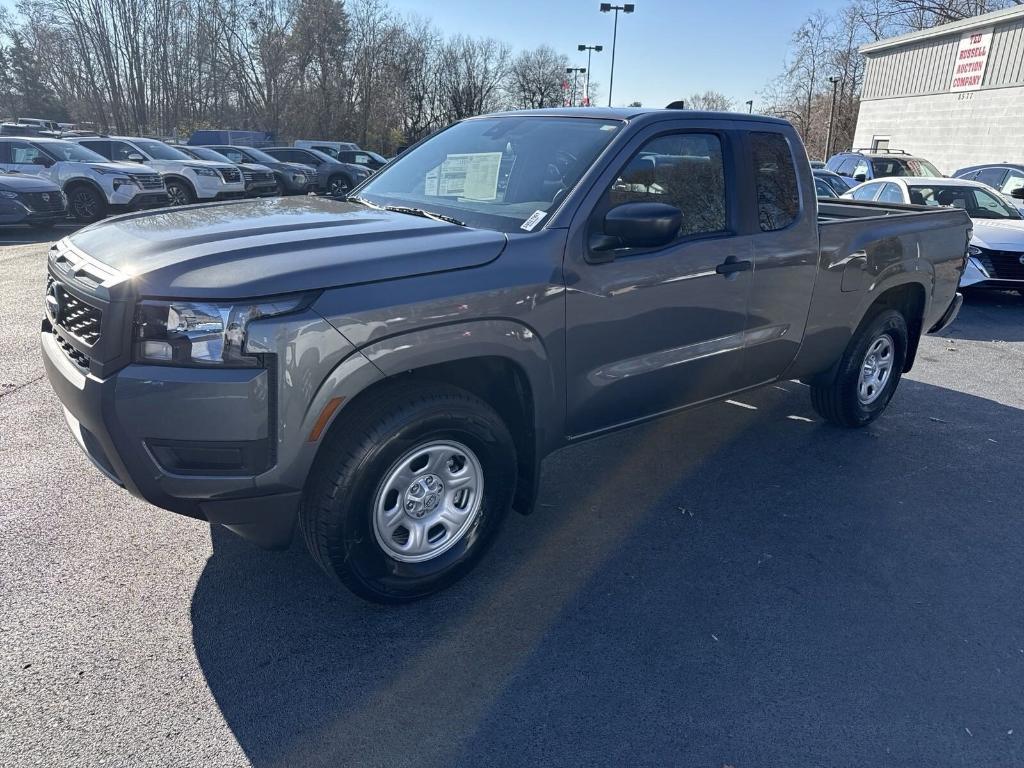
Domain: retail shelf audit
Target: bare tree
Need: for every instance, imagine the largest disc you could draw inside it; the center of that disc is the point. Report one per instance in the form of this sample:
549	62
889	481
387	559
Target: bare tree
536	77
709	101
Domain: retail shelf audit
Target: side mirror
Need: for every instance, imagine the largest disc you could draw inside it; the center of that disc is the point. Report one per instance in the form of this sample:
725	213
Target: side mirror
638	225
1017	193
42	160
860	178
135	157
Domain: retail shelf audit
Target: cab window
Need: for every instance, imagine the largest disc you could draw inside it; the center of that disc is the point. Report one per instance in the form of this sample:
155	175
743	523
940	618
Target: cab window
778	194
23	153
866	192
991	176
684	170
120	151
1015	180
891	194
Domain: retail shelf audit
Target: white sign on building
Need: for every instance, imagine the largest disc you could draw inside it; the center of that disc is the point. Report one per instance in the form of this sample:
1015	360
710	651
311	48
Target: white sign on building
971	57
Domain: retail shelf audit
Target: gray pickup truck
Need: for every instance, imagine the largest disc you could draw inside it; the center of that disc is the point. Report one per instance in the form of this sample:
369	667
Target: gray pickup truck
387	373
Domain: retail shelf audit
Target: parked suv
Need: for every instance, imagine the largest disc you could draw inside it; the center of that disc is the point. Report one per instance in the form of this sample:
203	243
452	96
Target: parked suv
259	180
30	200
292	178
862	166
93	185
334	178
188	180
331	148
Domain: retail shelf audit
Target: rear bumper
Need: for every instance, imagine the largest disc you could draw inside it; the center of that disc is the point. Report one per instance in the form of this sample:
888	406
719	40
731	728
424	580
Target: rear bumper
123	422
949	315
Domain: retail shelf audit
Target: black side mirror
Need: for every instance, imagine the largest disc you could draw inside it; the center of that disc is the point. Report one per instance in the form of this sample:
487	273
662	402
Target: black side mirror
638	225
42	160
860	178
1017	193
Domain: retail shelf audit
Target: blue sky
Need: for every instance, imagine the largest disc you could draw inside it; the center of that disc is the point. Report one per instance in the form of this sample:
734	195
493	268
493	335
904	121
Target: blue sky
667	49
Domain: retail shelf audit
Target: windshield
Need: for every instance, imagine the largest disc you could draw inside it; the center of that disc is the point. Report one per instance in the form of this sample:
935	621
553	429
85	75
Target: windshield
978	203
902	166
374	155
159	151
203	153
260	156
494	172
67	150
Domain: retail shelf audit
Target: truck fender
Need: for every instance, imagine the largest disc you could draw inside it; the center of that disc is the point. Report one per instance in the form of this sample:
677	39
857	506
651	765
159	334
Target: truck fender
77	181
510	341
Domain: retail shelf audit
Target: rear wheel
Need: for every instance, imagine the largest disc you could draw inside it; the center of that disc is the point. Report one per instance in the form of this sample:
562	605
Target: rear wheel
180	193
868	374
86	204
405	498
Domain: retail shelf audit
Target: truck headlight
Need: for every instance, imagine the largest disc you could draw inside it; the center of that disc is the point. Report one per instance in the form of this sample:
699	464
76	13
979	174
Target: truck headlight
8	195
973	250
201	333
299	178
203	171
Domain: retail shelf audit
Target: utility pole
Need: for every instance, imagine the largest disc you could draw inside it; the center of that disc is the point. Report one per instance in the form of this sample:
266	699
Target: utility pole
589	49
605	8
750	106
831	114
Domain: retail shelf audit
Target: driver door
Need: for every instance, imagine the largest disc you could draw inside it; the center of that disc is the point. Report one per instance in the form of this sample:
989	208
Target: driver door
649	330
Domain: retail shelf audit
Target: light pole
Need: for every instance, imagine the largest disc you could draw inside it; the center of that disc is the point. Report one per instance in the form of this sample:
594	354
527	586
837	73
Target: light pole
750	106
575	72
831	114
605	8
589	49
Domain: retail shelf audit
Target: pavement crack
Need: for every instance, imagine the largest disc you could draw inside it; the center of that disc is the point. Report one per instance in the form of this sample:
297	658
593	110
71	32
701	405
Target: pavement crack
8	389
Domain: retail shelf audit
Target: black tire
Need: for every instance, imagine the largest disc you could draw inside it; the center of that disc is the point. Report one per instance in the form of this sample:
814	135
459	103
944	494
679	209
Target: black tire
86	204
180	192
282	190
841	402
338	186
357	457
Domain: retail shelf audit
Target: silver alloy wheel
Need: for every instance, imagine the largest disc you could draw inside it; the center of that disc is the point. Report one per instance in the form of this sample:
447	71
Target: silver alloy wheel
177	193
428	501
337	187
876	369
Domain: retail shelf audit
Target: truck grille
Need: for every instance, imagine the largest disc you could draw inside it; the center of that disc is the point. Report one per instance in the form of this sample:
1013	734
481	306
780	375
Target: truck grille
74	316
76	357
1003	265
230	175
148	180
44	201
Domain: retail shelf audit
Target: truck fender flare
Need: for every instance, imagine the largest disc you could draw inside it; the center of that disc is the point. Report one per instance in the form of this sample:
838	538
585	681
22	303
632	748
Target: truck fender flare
509	340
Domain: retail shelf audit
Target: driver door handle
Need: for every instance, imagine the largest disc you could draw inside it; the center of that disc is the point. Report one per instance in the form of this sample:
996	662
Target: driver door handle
732	265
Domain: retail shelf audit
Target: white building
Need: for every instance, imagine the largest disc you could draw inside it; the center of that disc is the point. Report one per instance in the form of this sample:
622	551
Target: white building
953	94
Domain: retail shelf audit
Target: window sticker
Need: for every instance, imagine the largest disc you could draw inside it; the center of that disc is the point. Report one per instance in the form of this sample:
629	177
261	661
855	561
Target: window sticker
531	223
472	175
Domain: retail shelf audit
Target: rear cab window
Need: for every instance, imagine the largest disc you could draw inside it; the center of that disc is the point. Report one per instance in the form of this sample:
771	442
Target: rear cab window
775	180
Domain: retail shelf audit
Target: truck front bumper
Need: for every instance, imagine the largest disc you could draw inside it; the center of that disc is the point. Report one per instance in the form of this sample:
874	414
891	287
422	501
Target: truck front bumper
134	428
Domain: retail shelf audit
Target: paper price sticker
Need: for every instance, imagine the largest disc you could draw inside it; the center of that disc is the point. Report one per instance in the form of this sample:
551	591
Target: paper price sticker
531	223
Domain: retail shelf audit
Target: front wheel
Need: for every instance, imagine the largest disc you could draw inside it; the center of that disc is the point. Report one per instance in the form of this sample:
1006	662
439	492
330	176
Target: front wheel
180	193
86	204
868	375
408	493
338	186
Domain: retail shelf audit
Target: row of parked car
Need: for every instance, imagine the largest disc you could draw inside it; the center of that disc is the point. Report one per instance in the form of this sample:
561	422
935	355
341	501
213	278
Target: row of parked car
992	194
46	180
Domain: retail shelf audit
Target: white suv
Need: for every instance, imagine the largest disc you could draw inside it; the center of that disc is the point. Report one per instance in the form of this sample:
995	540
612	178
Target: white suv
93	185
188	180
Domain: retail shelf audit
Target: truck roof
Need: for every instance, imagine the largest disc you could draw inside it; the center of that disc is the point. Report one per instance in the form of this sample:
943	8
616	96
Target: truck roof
634	114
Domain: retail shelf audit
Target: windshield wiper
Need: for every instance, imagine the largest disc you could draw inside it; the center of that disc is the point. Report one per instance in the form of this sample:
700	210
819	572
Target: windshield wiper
425	214
363	201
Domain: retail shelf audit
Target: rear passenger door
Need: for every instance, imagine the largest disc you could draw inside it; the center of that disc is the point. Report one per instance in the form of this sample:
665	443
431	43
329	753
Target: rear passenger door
652	329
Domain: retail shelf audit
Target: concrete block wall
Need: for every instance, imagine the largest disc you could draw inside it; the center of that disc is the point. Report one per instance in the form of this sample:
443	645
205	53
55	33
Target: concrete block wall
952	130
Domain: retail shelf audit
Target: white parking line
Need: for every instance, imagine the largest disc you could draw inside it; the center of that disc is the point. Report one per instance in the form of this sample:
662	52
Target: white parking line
742	405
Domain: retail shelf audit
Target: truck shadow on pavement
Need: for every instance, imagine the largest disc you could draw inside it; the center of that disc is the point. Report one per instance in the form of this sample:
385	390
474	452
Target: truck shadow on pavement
727	586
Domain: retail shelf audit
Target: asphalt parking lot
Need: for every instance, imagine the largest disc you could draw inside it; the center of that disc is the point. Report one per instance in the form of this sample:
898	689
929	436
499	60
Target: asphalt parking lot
740	585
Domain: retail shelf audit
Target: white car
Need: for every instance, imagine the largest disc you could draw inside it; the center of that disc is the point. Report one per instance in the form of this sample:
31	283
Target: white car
996	252
331	148
188	180
93	185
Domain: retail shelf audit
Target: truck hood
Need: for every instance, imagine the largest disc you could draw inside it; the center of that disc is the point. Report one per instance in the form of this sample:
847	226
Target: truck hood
999	235
277	245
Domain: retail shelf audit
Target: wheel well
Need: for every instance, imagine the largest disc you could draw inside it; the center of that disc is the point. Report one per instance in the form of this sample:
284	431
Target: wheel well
174	177
909	301
504	386
75	183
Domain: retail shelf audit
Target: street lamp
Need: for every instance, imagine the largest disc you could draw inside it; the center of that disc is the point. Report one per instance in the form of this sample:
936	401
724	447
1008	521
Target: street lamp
589	49
750	106
831	113
575	72
605	8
